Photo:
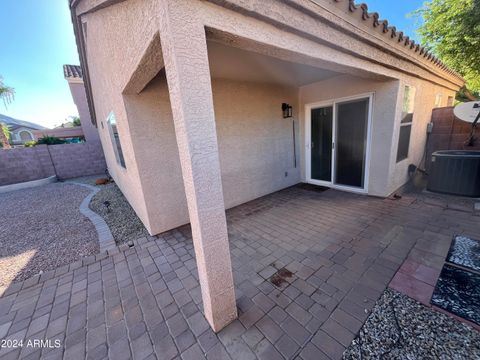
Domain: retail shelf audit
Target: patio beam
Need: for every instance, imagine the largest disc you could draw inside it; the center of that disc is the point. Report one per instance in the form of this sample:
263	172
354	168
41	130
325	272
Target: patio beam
149	66
184	49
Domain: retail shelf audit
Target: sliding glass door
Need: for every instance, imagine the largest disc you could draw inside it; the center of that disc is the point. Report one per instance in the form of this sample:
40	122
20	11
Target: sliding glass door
321	154
338	143
351	143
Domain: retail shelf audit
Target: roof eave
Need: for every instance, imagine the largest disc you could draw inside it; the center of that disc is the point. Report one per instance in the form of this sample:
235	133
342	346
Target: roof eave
394	34
79	39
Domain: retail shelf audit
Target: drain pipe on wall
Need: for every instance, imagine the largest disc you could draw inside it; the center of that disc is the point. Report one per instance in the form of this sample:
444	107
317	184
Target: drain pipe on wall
413	169
471	139
294	145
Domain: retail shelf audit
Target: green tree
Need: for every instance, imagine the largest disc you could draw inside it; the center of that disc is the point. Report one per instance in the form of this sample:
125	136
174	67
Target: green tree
4	135
451	30
6	92
76	121
5	129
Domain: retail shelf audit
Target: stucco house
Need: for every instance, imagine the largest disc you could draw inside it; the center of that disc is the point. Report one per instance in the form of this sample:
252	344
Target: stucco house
87	130
21	131
73	75
202	105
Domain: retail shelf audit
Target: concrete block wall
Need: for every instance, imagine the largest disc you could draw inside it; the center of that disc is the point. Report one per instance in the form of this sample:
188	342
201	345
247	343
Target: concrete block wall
71	160
74	160
25	164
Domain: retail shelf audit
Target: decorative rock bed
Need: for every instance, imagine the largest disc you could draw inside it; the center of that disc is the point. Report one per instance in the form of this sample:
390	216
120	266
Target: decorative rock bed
401	328
110	204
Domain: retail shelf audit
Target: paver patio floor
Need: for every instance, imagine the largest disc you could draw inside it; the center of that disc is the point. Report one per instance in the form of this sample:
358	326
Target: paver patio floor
145	301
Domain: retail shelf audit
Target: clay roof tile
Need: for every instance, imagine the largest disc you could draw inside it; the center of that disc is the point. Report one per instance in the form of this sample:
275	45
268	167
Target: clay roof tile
374	19
72	71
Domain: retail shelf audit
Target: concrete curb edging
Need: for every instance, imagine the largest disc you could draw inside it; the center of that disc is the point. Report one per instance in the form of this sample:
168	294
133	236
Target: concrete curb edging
105	237
28	184
108	248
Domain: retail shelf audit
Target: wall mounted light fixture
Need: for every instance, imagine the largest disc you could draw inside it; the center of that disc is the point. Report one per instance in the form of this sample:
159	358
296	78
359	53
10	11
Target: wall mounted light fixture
287	110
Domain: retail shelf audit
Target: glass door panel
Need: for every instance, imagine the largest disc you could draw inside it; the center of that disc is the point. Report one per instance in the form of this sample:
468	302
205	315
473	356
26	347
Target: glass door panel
321	143
351	142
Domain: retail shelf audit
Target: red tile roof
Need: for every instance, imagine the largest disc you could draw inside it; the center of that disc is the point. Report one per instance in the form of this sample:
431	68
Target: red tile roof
72	71
390	32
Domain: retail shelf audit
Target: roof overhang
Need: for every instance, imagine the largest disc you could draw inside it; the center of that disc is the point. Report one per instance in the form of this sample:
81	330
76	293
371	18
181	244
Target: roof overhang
342	15
72	80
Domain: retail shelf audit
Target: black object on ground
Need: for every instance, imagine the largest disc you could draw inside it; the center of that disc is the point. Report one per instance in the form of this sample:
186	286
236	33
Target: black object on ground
311	187
465	252
458	291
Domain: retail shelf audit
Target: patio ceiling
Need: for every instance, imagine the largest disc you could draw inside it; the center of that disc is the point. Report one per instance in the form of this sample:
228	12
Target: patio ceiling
232	63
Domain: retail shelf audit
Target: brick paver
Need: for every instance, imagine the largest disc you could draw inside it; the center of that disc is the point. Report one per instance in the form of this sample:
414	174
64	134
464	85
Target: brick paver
144	302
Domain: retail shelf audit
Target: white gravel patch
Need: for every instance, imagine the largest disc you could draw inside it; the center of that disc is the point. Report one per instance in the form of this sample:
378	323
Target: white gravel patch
41	229
401	328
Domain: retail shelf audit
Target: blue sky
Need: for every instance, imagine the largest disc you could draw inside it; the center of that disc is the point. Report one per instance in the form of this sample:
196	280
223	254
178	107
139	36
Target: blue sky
396	12
37	39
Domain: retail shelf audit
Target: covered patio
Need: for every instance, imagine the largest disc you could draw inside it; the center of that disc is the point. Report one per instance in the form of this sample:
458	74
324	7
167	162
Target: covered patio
337	253
191	122
224	140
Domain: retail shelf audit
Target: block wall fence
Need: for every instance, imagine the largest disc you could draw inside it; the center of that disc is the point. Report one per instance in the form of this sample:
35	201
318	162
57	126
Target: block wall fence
65	161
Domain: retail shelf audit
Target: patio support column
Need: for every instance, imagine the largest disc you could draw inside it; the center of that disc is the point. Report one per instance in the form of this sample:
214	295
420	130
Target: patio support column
185	55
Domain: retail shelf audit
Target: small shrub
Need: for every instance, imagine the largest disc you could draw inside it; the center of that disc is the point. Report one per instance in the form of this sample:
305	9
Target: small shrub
50	140
76	121
30	143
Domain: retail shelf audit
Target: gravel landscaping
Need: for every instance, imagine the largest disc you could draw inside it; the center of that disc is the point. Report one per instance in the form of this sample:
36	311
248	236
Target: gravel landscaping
401	328
41	229
119	215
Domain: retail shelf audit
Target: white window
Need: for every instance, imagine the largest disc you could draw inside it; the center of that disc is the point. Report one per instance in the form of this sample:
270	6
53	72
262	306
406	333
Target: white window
406	122
25	135
438	100
117	147
450	101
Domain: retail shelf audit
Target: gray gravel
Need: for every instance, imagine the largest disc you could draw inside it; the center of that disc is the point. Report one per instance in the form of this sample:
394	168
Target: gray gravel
41	229
401	328
120	217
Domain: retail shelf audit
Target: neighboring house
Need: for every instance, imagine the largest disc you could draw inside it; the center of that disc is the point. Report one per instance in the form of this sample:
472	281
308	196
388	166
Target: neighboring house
73	74
202	105
87	131
20	131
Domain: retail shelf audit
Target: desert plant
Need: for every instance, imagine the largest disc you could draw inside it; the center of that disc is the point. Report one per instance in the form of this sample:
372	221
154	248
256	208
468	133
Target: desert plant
4	135
50	140
30	143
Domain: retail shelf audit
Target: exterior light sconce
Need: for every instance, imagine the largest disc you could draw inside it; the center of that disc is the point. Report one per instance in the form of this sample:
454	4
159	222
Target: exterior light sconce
287	110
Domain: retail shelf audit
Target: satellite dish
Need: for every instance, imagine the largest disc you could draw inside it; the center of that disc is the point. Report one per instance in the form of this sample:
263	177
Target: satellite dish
468	111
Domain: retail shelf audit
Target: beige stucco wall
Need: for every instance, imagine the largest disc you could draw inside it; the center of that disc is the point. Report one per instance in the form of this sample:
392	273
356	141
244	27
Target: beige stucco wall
383	115
424	103
385	174
115	39
255	144
77	89
255	141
